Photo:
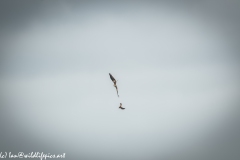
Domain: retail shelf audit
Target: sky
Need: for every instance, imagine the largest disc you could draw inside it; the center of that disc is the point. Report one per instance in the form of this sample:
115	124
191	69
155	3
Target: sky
177	66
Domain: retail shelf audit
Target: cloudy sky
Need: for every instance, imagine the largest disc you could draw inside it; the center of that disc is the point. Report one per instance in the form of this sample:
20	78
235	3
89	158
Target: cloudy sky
177	66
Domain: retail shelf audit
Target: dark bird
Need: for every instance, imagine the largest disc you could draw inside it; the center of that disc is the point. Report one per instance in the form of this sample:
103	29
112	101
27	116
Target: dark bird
114	82
121	106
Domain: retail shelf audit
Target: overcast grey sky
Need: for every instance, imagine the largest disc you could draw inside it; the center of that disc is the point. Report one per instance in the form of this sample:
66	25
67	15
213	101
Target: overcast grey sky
177	66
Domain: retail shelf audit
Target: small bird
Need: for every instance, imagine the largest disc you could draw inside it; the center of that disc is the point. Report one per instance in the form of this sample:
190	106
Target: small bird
114	82
121	106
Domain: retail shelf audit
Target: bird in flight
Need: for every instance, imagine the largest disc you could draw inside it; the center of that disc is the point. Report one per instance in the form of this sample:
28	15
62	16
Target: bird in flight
121	106
114	82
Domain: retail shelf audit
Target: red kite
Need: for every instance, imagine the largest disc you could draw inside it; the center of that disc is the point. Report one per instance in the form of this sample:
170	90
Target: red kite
121	106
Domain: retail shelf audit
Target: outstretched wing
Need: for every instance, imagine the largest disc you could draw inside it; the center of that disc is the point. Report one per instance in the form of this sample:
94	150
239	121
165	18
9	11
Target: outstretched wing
112	78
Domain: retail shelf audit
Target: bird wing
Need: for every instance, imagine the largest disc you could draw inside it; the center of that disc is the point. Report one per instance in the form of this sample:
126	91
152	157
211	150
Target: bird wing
112	78
117	90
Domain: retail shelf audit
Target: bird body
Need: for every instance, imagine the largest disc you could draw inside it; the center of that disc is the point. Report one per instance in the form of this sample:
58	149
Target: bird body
121	106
